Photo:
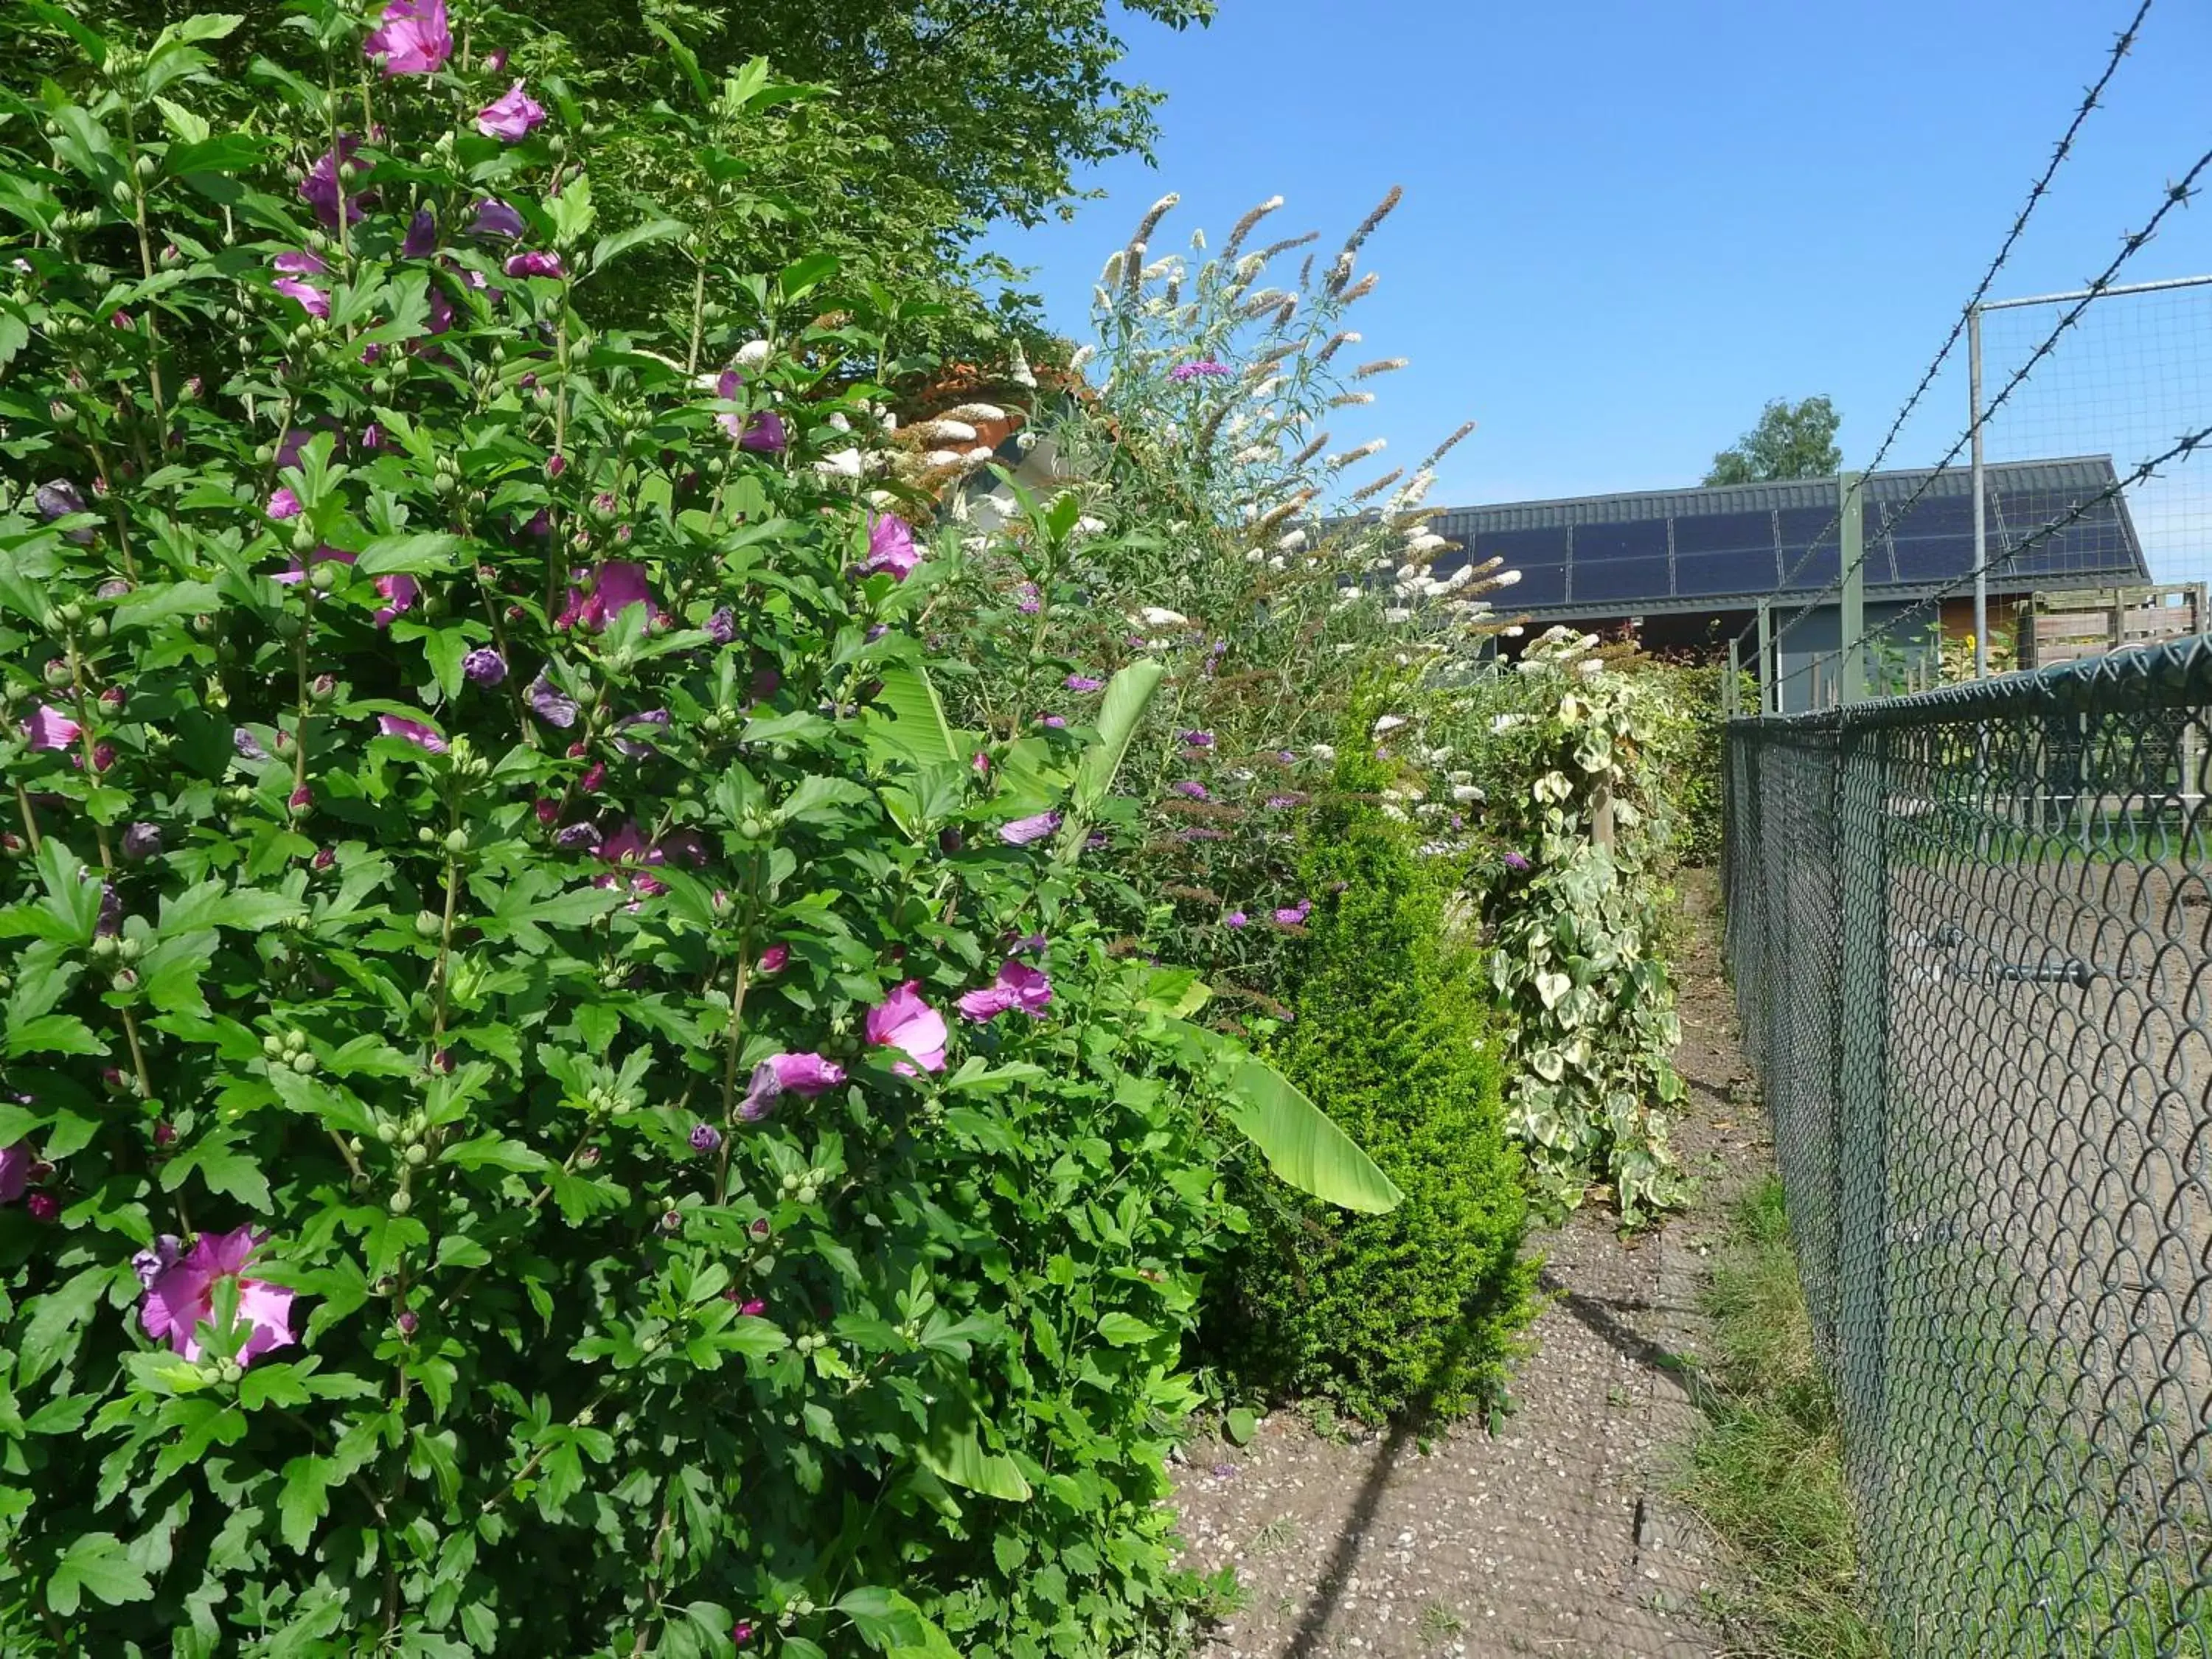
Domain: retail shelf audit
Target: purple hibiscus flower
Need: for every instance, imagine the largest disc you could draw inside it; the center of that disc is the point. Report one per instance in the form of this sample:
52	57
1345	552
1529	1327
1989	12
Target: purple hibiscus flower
1022	831
411	37
891	547
509	118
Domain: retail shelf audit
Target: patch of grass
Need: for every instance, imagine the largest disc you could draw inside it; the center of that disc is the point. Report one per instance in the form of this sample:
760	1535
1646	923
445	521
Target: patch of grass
1439	1625
1278	1534
1766	1470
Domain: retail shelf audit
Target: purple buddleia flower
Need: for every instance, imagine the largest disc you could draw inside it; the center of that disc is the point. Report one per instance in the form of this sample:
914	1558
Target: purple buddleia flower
1517	861
1205	367
1084	683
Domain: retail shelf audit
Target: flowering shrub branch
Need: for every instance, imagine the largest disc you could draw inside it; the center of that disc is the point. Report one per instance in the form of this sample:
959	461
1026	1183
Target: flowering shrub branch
484	1161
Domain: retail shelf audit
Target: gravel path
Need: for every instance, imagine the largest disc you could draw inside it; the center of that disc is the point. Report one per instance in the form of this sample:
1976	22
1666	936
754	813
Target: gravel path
1554	1536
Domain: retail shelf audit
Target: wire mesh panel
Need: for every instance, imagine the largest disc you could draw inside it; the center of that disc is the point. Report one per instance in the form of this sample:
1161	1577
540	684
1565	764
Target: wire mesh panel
1971	938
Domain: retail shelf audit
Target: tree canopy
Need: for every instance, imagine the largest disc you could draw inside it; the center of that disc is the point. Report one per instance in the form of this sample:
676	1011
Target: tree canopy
1791	440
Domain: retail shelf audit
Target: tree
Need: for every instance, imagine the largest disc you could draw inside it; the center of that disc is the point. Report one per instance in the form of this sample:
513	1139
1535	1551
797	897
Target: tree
1791	440
917	123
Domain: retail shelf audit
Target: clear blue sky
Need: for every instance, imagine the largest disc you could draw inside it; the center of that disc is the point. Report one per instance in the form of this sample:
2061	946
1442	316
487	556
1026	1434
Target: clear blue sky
1628	224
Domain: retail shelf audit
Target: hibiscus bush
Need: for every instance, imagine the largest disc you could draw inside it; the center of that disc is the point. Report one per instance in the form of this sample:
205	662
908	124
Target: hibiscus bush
549	1100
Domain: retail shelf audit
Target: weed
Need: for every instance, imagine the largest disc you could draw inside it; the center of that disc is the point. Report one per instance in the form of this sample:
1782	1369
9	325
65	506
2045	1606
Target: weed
1278	1534
1439	1625
1766	1471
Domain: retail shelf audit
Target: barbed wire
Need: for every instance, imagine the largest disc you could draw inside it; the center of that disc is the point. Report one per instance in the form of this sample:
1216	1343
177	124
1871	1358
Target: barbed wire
2121	47
2177	195
2041	187
1893	626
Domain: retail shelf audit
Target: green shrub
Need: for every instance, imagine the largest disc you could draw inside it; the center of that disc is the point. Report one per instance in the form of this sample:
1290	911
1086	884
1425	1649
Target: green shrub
478	1169
1413	1311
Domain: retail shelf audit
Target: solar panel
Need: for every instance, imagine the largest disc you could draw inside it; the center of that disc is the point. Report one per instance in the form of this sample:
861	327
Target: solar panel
1523	547
1934	540
1725	532
1638	539
1799	525
1700	573
2092	544
1540	584
1618	579
1625	561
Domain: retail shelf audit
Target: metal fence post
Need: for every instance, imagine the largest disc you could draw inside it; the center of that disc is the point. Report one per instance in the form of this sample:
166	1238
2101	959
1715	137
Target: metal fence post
1850	684
1767	703
1981	538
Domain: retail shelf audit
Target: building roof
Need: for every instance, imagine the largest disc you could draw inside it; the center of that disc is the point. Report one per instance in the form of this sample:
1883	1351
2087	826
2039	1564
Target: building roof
1726	548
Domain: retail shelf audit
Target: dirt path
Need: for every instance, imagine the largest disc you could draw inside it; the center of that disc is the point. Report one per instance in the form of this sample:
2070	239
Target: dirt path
1552	1537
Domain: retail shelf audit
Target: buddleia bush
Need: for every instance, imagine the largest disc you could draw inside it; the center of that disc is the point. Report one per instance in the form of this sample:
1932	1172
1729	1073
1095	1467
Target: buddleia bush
548	1102
1412	1312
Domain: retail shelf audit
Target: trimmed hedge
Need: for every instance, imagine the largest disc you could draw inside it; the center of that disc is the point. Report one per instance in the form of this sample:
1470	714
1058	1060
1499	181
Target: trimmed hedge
1412	1312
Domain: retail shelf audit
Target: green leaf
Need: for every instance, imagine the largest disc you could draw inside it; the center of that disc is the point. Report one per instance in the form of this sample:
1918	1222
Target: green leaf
305	1498
413	556
934	1644
164	601
1302	1145
908	720
816	799
95	1561
54	1324
53	1034
686	59
445	647
224	1167
189	126
1125	1330
883	1618
1241	1424
205	26
493	1149
958	1459
572	211
611	248
805	274
1127	695
94	46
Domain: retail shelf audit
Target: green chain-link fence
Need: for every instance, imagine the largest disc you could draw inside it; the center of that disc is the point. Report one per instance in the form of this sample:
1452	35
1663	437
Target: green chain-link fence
1969	933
